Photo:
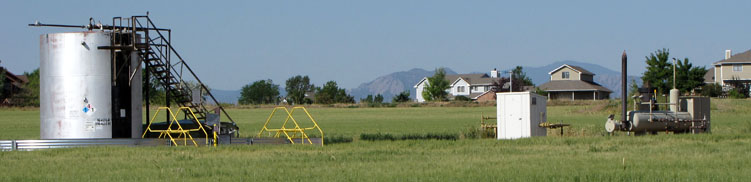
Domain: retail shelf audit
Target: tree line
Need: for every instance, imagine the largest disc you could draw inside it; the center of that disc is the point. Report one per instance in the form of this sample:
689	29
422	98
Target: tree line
689	78
300	90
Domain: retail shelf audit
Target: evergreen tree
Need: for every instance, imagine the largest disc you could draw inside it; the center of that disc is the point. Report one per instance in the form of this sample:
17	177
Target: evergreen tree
659	71
401	97
378	99
521	77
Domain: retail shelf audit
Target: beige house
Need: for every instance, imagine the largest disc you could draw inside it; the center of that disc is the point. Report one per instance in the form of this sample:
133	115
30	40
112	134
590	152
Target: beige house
569	82
733	70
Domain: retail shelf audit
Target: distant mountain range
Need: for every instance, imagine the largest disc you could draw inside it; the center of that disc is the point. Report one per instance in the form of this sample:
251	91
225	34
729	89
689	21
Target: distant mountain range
226	96
394	83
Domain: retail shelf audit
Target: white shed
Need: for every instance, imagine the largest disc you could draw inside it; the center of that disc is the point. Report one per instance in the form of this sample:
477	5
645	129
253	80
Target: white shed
519	115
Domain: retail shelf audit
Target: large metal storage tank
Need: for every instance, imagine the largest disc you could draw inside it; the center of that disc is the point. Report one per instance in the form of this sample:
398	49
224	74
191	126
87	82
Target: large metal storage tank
75	85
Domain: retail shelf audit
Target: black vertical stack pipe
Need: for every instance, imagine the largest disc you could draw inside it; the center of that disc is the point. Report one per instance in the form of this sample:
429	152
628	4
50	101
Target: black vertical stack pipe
623	87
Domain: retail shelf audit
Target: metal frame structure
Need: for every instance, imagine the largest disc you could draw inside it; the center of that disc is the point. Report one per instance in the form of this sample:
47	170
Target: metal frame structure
292	134
182	132
488	127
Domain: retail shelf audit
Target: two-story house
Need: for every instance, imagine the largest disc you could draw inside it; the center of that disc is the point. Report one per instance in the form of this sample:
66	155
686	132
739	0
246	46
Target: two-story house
569	82
731	71
473	86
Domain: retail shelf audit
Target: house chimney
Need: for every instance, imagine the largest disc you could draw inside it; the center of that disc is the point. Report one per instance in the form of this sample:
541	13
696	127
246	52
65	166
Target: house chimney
494	73
728	53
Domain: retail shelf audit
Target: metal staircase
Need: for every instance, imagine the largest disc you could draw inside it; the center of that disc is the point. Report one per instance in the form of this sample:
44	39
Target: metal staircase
154	48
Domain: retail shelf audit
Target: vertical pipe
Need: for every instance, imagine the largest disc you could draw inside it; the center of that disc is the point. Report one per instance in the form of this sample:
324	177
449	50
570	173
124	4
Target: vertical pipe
511	80
623	86
148	88
147	40
168	77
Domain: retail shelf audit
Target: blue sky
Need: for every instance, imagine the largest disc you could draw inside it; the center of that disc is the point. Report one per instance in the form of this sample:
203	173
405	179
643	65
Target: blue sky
232	43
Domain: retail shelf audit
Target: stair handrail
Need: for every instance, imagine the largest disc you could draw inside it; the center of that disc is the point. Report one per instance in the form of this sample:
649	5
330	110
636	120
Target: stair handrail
173	70
172	49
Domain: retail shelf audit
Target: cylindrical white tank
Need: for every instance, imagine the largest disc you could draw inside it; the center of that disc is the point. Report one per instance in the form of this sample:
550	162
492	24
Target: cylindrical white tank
640	121
75	85
674	99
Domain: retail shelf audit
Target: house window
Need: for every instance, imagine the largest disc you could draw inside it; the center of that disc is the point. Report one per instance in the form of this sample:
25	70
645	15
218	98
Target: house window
474	88
564	75
460	89
738	68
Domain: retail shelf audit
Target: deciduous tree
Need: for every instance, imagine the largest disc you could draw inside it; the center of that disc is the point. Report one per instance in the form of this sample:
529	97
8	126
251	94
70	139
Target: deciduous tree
330	93
296	88
436	88
259	92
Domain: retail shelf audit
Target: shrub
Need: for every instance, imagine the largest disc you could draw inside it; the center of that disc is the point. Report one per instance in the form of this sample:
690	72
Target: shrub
711	90
377	136
441	136
336	139
412	136
738	93
472	133
462	98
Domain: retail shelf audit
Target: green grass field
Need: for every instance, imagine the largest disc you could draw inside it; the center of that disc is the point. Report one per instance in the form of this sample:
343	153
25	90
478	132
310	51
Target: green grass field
586	153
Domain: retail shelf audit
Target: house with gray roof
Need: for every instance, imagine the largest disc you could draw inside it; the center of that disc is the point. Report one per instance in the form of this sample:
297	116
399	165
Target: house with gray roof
569	82
731	71
469	85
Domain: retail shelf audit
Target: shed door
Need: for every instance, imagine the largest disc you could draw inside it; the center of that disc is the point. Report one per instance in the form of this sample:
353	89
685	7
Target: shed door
515	116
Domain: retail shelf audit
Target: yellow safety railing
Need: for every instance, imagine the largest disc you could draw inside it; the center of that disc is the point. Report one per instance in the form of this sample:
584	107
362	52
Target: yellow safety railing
183	133
214	133
291	133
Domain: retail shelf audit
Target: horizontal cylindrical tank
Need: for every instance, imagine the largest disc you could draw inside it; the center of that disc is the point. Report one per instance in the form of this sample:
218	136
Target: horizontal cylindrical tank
75	85
661	121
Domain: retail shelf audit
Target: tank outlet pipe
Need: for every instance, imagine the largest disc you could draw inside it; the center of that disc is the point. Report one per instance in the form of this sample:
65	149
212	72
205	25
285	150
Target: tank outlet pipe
674	92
